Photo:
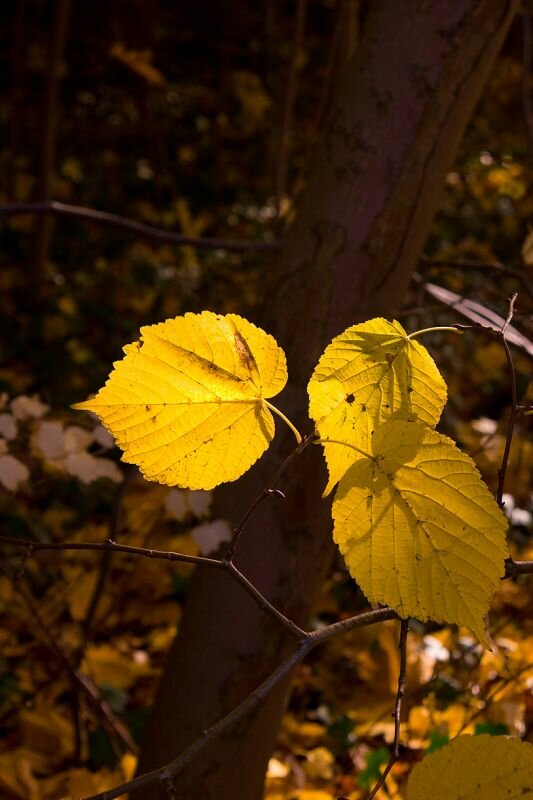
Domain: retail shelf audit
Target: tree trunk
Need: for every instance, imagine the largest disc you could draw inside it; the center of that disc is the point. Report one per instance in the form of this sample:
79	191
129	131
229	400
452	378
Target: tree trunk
392	133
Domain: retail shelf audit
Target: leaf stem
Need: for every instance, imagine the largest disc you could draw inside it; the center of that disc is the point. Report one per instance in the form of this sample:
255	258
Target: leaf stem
285	420
436	328
346	444
514	404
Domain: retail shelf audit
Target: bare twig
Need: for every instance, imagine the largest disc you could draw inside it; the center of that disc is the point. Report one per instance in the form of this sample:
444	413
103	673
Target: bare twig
514	402
515	568
269	491
290	626
402	682
499	684
82	682
105	565
478	314
308	643
139	228
165	555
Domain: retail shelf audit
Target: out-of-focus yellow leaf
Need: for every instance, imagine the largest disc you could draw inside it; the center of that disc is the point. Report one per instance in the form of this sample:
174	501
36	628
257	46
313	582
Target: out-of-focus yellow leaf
307	733
187	403
277	769
319	764
160	639
418	528
107	666
453	720
255	102
17	770
370	373
418	726
128	764
80	595
47	730
475	767
75	783
140	62
191	226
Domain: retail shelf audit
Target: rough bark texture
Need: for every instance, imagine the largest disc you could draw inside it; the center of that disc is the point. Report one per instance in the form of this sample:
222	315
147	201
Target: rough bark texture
393	130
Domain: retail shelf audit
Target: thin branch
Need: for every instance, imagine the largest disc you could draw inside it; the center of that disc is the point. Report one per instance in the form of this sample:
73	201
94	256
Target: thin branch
499	684
311	640
306	642
515	568
402	682
105	566
99	705
139	228
109	544
269	491
477	313
351	623
164	555
514	402
263	603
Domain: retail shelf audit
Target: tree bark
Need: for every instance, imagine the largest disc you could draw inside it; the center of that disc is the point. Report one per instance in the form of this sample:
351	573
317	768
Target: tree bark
394	126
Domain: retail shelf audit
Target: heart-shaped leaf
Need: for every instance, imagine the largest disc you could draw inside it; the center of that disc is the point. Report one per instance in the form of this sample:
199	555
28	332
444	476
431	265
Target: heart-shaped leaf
188	405
368	374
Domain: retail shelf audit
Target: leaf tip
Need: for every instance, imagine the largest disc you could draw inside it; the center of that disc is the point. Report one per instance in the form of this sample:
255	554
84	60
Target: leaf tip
83	406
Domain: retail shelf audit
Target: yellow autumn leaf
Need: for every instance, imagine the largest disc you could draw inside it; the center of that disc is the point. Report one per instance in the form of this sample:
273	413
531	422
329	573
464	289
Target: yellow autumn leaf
109	666
474	767
80	593
371	372
419	529
188	403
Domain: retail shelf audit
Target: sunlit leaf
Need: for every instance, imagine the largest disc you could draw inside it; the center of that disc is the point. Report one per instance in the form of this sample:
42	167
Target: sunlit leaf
419	529
187	403
474	767
368	374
